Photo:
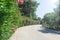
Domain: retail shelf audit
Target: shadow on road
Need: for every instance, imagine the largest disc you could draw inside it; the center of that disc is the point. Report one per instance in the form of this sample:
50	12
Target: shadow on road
49	31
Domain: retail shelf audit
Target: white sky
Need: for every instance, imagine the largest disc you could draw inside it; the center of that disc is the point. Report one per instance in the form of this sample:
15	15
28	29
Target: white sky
45	7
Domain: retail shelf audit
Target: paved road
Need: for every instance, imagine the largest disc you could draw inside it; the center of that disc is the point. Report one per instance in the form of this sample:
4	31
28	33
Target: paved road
35	32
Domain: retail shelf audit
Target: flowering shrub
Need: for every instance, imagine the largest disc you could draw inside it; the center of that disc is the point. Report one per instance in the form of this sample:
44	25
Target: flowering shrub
20	2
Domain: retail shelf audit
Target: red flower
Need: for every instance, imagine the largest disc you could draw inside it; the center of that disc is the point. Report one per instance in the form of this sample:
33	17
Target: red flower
21	1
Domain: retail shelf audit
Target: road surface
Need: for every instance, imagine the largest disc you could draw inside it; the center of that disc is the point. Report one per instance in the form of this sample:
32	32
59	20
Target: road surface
35	32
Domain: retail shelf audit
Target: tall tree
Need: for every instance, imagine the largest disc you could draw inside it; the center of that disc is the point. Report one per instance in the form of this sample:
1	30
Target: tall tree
57	14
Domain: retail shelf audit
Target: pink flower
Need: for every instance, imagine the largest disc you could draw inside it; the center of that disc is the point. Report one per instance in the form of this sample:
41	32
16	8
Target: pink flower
20	2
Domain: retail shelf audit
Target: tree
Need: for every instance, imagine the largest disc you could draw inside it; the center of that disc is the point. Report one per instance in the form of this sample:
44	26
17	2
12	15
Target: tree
52	20
28	8
48	20
57	15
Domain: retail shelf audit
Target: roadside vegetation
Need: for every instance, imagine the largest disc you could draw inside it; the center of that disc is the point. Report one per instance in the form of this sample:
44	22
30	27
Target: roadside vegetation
52	20
14	15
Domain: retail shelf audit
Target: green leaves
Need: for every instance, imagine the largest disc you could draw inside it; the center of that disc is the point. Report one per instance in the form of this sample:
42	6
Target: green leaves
28	8
52	20
10	17
8	11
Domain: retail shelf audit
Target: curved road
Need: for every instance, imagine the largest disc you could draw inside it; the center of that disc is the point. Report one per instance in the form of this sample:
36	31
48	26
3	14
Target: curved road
35	32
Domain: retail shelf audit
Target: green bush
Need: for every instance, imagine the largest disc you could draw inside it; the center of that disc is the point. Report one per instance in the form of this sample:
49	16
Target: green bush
10	18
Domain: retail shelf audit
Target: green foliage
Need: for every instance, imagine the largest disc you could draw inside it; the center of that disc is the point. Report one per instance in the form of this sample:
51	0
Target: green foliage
27	21
28	8
48	19
8	18
52	20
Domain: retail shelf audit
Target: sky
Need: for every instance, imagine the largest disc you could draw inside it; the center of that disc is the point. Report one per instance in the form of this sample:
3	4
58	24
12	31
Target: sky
45	6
